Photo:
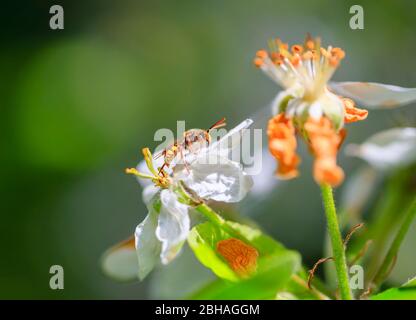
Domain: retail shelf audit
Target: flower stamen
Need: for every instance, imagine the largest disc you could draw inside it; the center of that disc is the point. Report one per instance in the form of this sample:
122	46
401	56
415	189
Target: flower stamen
324	142
159	178
282	145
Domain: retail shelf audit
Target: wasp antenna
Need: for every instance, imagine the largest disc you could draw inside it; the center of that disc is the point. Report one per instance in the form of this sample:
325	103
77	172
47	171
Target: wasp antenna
219	124
160	154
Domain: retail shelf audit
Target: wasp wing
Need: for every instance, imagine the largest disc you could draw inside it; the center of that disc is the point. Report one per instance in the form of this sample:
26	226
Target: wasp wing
232	138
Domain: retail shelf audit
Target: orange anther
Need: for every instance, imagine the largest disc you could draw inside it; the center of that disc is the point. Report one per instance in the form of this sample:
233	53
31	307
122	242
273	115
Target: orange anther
333	62
258	62
324	143
310	44
338	53
261	54
297	48
275	55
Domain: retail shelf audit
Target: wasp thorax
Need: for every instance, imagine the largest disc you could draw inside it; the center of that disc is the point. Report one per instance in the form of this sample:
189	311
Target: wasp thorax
196	139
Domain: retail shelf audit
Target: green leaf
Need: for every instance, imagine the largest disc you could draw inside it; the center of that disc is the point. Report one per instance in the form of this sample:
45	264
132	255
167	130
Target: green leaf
263	243
405	292
410	283
263	285
203	239
275	264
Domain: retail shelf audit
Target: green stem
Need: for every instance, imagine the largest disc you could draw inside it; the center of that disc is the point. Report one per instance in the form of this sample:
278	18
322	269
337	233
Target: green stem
210	214
217	220
392	253
336	242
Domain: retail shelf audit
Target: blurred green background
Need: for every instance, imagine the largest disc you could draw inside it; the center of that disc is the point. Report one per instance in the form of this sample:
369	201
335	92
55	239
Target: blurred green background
78	104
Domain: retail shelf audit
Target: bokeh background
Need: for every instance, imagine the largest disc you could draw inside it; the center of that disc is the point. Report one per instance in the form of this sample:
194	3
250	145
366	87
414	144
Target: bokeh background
78	104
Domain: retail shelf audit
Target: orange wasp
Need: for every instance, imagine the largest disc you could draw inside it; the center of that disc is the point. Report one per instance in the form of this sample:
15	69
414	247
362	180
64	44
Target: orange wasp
192	141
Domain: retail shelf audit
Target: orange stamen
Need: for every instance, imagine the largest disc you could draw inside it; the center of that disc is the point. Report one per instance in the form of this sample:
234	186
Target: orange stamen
338	53
282	145
297	48
324	142
258	62
275	55
277	58
262	54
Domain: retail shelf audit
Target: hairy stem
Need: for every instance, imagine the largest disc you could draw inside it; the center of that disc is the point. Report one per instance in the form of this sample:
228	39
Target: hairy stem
338	250
395	246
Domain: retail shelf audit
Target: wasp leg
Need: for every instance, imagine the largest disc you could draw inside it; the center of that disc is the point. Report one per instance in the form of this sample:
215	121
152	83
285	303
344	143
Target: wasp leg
165	164
185	146
184	161
160	154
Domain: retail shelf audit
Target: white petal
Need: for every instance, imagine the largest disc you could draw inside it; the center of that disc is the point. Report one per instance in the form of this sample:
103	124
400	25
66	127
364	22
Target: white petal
315	110
147	244
217	178
375	95
281	96
295	91
149	192
388	149
333	107
173	225
301	109
120	261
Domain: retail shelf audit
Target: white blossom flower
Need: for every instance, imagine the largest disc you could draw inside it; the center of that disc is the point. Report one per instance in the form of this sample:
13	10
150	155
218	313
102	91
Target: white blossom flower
303	72
209	173
313	107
